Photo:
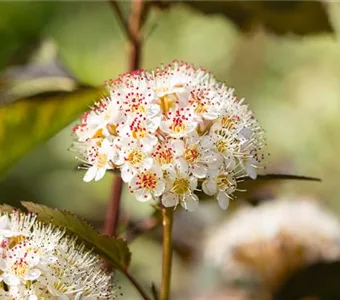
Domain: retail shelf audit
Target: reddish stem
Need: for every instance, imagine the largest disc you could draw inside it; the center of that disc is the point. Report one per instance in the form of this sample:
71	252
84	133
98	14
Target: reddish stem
132	30
112	213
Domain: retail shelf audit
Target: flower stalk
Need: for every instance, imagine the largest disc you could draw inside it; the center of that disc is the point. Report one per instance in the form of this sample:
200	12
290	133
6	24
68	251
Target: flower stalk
167	214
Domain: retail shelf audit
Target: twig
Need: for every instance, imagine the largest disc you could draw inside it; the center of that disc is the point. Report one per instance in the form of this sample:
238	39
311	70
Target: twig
123	23
113	209
167	214
132	30
137	286
137	228
135	24
154	291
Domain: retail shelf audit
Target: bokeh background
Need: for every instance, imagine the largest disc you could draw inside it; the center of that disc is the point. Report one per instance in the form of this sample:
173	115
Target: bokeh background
291	80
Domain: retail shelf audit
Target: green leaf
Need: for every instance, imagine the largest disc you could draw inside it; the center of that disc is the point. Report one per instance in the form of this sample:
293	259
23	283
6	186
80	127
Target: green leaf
281	177
115	249
279	17
26	123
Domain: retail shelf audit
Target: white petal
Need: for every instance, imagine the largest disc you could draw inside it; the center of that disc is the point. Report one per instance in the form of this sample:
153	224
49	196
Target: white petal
199	170
153	110
4	222
193	138
246	133
153	124
206	142
223	200
177	147
250	170
159	188
191	202
32	274
100	174
148	143
127	173
10	279
146	164
209	187
193	183
182	165
169	200
143	195
90	174
3	264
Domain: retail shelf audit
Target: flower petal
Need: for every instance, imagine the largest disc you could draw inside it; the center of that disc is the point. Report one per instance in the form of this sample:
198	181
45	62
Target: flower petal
169	200
223	200
90	174
127	173
10	279
190	202
159	188
199	170
209	187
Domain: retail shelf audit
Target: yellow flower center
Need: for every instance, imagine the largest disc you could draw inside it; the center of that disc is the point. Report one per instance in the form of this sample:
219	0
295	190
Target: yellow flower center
180	186
102	160
15	240
223	182
20	267
167	102
138	108
135	157
112	128
191	154
178	125
221	146
200	108
99	134
164	157
228	123
148	180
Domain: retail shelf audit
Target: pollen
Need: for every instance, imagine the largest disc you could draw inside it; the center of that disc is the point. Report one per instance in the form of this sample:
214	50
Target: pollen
102	160
221	146
167	102
180	186
135	157
191	154
99	134
148	181
223	182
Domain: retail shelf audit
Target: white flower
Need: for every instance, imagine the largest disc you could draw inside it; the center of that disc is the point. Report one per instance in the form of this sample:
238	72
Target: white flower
177	114
46	264
148	184
242	246
222	184
132	158
100	157
180	188
20	264
197	152
179	123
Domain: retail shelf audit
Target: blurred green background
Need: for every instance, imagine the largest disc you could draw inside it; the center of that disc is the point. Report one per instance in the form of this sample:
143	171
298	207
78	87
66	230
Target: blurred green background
291	82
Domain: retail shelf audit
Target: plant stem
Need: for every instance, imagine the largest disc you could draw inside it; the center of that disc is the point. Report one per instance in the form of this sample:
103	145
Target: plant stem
132	30
167	214
135	24
112	213
137	286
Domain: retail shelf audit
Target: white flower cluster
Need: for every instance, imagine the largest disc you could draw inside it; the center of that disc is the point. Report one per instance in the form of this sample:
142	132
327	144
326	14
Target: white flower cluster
282	231
169	130
38	262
